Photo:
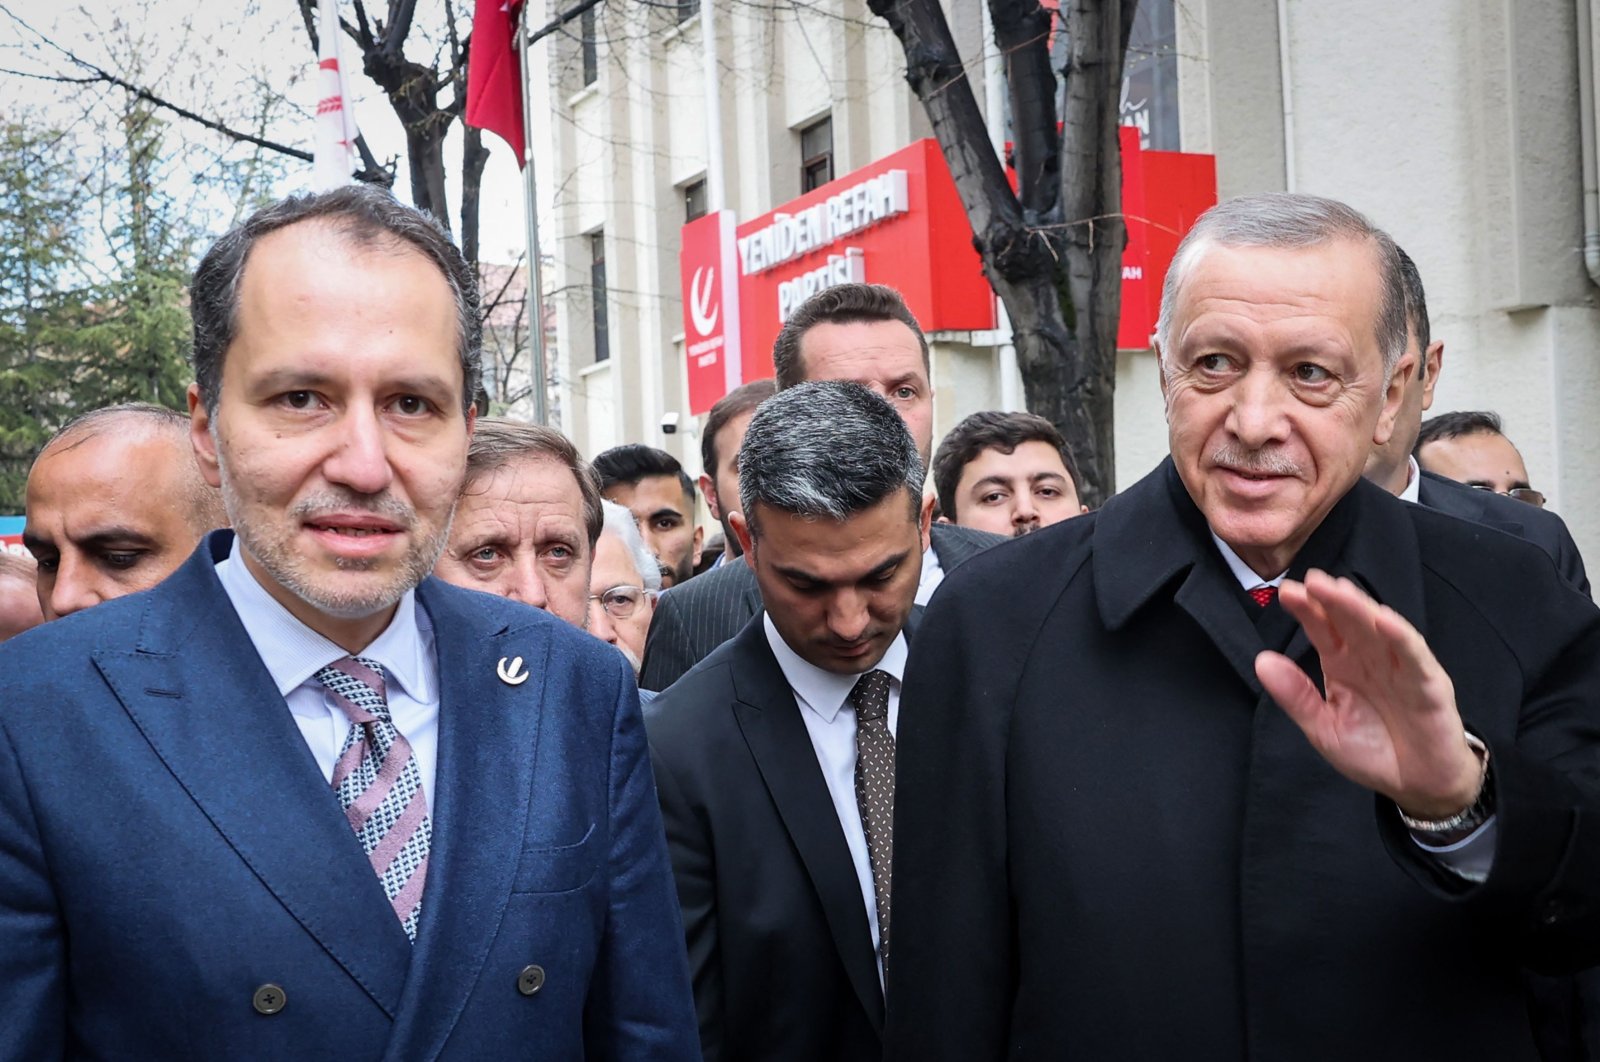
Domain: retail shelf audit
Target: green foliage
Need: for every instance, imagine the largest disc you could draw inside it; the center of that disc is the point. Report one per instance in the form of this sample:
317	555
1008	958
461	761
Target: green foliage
90	315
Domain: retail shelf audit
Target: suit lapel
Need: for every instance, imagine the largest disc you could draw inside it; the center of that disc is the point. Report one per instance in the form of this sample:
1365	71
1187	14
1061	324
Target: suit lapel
488	743
204	701
770	721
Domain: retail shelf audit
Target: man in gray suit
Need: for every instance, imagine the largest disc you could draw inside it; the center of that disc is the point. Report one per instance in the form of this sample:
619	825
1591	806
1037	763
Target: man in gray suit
861	333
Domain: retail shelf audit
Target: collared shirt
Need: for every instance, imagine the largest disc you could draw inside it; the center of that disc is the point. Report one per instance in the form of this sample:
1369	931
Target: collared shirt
1472	856
932	575
1242	571
831	721
1413	491
294	653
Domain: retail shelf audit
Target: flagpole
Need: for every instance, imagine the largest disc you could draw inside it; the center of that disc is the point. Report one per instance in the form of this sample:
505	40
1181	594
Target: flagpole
541	411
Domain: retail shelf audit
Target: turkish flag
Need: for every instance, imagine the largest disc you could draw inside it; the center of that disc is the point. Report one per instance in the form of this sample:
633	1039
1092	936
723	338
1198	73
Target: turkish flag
494	77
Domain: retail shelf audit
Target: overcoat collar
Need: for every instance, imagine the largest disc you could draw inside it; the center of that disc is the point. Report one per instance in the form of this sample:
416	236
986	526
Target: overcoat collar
1151	543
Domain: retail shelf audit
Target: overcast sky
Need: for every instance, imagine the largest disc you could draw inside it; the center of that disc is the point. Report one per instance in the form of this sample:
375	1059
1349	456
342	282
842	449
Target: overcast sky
209	57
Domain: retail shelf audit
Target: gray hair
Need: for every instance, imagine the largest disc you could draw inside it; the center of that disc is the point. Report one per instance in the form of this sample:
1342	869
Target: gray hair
828	448
1291	220
619	521
497	442
370	218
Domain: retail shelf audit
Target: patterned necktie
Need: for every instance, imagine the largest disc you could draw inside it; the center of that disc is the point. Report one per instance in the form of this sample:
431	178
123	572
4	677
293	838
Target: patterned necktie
380	786
1263	594
875	787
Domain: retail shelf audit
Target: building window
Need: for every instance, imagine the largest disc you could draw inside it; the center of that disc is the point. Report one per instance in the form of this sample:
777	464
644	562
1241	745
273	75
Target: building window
694	200
597	295
687	9
816	155
591	52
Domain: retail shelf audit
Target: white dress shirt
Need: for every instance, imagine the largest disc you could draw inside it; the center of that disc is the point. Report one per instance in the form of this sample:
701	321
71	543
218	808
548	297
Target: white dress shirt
1473	855
294	653
1413	491
831	721
932	575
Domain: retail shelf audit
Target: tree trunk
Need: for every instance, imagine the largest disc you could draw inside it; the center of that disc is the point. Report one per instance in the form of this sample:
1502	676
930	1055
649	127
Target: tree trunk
1052	254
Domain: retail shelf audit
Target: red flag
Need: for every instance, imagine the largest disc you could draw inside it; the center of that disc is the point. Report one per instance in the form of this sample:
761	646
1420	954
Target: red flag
494	77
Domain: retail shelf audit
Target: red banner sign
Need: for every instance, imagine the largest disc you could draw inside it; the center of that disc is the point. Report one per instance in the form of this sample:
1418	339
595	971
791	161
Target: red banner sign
710	272
900	222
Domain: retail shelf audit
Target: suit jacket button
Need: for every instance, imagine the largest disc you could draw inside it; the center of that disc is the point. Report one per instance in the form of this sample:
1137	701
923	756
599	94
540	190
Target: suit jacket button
269	999
530	980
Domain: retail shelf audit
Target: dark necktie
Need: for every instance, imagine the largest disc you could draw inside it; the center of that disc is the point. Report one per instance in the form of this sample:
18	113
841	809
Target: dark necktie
380	786
1263	594
875	787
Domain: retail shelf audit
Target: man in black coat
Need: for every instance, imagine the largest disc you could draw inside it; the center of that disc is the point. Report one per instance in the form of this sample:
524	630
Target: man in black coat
1257	761
1393	465
774	758
858	332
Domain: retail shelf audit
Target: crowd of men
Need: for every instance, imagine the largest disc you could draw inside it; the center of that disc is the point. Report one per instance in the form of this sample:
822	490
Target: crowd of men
310	718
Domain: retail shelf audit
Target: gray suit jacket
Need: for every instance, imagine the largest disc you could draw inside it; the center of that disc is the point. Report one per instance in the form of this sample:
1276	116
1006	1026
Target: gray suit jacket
695	618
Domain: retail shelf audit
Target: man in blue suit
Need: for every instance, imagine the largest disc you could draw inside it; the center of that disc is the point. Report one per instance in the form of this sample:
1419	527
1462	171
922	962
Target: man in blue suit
301	800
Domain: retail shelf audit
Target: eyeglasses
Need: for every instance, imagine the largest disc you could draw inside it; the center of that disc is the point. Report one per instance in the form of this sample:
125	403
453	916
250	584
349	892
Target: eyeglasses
620	602
1522	494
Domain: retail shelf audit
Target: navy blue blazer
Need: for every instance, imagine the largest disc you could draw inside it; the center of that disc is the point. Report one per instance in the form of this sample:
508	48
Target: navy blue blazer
168	845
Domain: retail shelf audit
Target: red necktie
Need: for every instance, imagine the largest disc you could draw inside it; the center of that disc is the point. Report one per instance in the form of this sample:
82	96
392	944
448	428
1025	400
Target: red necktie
1263	595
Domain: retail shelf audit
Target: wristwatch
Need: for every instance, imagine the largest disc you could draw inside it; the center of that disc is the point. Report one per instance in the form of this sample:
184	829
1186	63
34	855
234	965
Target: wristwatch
1437	833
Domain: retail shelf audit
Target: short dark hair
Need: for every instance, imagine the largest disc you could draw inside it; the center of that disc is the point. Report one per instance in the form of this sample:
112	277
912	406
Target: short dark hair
1453	425
739	401
991	430
497	442
826	449
96	420
841	304
631	462
366	215
1416	308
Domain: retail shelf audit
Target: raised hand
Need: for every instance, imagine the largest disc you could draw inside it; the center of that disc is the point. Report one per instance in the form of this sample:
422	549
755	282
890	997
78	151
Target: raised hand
1388	720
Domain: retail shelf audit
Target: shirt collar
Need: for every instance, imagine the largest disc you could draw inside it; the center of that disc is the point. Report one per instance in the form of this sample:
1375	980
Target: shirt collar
1413	491
823	691
1247	577
293	652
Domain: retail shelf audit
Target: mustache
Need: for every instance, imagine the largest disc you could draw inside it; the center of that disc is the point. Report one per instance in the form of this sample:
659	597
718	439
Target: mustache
1263	462
327	502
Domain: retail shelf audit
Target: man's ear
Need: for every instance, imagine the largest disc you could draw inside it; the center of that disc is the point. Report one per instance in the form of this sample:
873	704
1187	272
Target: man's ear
699	545
747	541
708	487
1433	358
205	447
925	520
1394	397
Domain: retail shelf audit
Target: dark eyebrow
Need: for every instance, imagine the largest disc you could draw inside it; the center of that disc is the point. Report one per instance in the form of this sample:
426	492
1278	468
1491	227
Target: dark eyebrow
992	481
307	380
1037	476
882	569
34	543
116	536
665	510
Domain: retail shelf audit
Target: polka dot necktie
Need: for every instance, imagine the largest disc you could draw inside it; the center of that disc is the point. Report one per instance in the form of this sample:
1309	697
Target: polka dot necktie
380	786
875	787
1263	594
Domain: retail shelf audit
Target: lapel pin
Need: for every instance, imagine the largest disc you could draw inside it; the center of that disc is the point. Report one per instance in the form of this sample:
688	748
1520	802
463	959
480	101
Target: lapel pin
511	674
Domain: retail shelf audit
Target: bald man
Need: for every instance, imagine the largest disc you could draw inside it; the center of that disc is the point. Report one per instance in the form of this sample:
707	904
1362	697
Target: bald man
115	504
